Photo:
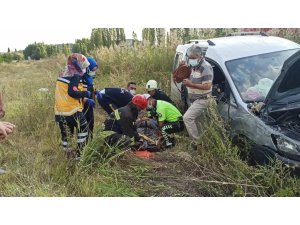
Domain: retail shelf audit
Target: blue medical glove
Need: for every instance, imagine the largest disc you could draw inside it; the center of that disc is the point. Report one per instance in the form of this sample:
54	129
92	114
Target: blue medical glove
98	95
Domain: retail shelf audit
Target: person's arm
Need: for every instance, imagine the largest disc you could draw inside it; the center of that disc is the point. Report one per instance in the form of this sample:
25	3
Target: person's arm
127	127
206	85
73	88
2	110
207	78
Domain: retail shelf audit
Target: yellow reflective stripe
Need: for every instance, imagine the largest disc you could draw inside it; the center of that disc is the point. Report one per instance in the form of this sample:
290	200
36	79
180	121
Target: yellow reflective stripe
68	113
117	115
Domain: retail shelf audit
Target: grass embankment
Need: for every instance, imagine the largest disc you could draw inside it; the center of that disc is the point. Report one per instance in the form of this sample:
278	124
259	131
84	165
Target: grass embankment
36	165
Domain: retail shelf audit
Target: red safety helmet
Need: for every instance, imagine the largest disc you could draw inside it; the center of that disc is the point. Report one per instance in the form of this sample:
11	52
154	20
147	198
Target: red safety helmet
140	101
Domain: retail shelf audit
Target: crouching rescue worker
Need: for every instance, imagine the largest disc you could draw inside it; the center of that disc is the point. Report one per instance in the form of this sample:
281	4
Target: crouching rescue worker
88	84
69	101
122	123
156	93
169	120
113	98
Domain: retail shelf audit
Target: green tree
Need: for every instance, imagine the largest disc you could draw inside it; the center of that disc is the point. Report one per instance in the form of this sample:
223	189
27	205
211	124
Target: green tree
51	50
186	35
7	57
160	36
219	32
148	35
122	34
35	51
135	39
168	39
96	38
66	49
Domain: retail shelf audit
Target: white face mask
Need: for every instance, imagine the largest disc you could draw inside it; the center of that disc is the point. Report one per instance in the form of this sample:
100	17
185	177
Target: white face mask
132	92
92	73
193	62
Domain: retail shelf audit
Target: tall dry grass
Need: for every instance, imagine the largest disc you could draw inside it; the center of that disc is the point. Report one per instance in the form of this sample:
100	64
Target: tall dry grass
36	166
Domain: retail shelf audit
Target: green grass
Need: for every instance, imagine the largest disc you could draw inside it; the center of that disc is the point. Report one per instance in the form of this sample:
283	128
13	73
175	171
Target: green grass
36	166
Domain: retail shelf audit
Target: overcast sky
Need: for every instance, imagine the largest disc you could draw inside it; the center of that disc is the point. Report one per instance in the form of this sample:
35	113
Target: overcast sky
19	38
59	21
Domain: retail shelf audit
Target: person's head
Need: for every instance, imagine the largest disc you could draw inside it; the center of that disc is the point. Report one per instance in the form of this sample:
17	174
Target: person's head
77	63
150	103
131	87
140	102
194	54
91	70
151	87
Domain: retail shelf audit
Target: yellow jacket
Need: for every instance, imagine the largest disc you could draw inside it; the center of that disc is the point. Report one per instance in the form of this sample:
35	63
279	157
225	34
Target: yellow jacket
69	94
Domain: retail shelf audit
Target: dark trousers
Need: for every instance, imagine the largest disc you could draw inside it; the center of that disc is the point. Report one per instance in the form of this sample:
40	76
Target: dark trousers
118	140
68	125
170	128
107	104
88	112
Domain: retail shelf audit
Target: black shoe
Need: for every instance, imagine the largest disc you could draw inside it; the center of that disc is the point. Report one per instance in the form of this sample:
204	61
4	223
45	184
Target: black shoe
171	143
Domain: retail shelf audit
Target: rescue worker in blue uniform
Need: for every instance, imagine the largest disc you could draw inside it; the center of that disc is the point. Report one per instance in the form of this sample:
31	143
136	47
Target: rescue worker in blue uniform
113	98
88	83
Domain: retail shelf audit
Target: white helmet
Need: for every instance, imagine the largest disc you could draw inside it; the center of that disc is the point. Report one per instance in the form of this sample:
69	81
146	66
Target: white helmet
151	85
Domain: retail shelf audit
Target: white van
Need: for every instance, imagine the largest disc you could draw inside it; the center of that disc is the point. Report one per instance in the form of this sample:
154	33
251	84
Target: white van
251	70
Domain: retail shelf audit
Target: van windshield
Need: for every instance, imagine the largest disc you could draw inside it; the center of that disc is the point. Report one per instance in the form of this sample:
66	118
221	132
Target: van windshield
253	76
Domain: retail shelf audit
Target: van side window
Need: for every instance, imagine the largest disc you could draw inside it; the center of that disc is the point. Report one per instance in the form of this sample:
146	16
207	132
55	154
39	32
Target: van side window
177	60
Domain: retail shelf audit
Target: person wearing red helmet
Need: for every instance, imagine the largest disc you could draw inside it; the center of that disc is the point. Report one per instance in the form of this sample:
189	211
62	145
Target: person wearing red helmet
122	122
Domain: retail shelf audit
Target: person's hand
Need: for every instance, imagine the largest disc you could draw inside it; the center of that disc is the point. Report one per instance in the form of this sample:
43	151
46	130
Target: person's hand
187	82
90	102
98	94
6	128
182	62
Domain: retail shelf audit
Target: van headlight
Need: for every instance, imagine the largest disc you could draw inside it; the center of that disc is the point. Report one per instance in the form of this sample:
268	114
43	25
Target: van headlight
285	145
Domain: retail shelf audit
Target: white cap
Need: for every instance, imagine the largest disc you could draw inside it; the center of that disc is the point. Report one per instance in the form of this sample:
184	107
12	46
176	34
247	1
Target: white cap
147	96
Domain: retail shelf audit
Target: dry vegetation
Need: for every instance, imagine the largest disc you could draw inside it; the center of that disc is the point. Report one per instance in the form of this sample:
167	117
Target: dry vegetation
36	166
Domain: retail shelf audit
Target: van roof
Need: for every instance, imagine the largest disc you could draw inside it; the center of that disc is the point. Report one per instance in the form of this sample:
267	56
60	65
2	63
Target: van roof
233	47
200	42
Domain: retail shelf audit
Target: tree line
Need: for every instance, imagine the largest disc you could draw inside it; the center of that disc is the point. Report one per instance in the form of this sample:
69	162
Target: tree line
111	37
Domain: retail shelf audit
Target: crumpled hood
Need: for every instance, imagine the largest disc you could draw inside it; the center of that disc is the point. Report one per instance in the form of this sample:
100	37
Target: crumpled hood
286	88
